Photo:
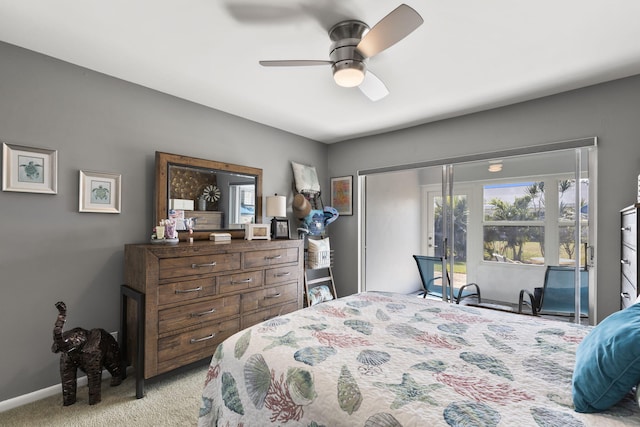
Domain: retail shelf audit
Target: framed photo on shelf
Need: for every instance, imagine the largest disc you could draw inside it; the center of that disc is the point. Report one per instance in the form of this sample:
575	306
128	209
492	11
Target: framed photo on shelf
99	192
257	232
280	228
29	170
342	194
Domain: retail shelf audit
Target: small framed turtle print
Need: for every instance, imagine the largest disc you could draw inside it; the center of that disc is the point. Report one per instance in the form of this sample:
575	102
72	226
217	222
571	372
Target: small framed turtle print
29	170
99	192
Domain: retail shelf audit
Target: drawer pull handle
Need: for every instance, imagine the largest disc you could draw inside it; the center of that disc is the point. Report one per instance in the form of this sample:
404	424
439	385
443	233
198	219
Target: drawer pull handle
273	257
625	262
211	264
237	282
278	295
195	340
625	295
288	273
625	229
186	291
203	313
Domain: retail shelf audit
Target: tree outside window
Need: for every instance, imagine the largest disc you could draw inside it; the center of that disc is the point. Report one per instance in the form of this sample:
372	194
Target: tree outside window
515	221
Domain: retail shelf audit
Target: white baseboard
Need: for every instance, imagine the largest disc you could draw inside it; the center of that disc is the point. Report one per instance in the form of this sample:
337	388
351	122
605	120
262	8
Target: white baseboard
42	393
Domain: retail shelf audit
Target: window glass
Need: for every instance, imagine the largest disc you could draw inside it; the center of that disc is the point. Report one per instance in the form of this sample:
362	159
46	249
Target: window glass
460	214
242	199
566	218
522	201
514	222
514	244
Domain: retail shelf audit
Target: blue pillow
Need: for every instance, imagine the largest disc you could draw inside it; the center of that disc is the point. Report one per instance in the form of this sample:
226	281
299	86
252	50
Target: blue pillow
608	362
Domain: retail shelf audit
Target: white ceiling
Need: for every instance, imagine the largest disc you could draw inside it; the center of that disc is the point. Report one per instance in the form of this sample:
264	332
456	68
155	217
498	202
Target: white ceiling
468	56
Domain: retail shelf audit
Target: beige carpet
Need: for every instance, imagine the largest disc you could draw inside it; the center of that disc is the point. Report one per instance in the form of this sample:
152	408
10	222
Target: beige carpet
172	400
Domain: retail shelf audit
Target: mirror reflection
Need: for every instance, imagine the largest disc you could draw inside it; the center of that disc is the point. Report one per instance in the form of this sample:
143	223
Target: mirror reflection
214	199
205	194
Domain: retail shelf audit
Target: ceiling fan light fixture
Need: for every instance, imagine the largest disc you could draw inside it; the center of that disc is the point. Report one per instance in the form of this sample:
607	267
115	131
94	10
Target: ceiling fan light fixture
353	43
348	77
348	73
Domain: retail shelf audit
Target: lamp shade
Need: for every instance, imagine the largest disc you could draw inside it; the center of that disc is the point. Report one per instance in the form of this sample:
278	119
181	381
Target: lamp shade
276	206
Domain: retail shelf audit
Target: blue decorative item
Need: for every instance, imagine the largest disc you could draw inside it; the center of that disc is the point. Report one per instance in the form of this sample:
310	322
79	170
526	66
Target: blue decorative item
314	222
330	215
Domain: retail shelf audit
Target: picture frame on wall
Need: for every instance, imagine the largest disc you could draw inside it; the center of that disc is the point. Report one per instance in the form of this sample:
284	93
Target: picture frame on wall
100	192
342	194
29	169
280	229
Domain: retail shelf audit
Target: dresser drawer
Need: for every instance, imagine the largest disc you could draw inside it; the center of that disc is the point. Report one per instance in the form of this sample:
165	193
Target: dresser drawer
269	313
197	313
186	291
269	297
195	293
240	281
190	346
281	274
201	264
628	293
628	264
270	257
629	223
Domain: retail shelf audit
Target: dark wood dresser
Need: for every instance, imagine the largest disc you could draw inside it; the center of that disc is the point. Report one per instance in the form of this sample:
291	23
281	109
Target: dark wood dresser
629	255
193	296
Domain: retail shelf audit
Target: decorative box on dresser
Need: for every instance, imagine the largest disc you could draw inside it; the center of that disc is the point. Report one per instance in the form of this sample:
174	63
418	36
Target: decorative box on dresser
195	295
629	255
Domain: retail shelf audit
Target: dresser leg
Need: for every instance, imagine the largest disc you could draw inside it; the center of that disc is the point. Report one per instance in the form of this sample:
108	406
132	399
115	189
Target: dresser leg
138	298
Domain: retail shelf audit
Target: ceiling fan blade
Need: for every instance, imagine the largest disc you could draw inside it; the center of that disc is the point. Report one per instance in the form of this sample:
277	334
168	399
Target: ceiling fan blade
325	13
261	13
372	87
293	63
397	25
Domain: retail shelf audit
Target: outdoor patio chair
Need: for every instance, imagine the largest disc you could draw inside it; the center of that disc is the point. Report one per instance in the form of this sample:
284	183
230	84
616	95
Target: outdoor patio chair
556	297
426	267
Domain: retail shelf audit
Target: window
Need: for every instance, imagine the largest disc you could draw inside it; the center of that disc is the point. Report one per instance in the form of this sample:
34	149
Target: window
242	203
514	222
566	219
518	227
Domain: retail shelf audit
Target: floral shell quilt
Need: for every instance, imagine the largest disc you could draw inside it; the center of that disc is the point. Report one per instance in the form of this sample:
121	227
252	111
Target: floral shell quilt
382	359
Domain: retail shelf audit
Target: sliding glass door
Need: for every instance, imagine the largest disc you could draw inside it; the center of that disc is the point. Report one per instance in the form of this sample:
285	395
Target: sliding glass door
498	221
528	212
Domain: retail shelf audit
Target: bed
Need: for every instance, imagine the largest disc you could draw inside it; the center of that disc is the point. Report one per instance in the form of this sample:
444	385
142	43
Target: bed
384	359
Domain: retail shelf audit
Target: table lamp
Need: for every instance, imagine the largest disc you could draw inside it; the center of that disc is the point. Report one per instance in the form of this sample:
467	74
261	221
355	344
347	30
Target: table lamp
276	208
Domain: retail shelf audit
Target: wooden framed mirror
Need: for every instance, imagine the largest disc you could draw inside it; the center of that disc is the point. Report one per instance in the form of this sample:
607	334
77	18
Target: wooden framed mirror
218	196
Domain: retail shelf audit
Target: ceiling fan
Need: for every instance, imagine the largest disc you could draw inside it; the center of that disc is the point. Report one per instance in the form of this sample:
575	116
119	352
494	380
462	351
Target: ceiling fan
353	45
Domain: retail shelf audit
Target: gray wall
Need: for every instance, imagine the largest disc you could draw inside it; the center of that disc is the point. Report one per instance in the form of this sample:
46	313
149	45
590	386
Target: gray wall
49	251
609	111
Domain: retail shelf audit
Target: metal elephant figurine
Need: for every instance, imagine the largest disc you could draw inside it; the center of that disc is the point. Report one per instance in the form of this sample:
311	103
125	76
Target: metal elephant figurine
88	350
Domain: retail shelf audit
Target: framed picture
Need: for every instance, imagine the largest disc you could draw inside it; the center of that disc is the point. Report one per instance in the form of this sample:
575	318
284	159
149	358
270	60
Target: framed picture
99	192
342	194
29	170
280	228
257	232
